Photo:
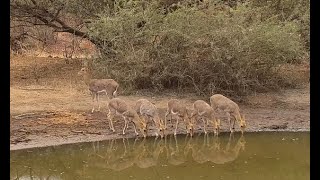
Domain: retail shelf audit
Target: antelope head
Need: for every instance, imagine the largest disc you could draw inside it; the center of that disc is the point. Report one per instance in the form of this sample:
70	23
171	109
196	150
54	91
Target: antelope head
190	119
243	123
190	128
143	127
161	128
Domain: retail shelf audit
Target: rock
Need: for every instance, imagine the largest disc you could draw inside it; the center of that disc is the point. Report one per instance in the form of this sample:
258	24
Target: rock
282	126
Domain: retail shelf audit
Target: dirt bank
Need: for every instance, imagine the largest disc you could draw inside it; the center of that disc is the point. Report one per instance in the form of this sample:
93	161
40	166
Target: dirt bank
288	111
49	108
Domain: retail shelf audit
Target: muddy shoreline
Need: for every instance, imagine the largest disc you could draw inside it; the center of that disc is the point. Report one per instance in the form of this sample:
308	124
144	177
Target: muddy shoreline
56	141
52	128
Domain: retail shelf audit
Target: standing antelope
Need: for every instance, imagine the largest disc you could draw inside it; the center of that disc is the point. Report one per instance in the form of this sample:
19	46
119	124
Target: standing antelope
175	107
220	102
150	112
206	113
119	106
96	86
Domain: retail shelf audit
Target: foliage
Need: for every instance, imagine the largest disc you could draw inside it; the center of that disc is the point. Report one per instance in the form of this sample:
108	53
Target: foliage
204	46
217	49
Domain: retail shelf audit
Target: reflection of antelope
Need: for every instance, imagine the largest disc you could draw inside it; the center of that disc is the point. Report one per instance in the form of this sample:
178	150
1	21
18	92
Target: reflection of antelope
126	159
222	156
175	155
104	158
199	152
97	86
177	108
110	153
116	158
119	106
220	102
141	153
150	112
146	156
205	112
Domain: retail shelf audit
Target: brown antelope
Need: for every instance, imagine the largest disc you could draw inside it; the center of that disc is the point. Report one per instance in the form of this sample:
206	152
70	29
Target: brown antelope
177	108
119	106
150	112
205	112
220	102
97	86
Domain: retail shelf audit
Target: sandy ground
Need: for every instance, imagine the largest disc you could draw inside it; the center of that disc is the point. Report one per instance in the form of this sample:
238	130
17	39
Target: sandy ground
52	108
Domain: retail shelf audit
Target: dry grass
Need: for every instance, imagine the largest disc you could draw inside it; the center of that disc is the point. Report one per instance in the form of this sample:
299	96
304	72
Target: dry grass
59	89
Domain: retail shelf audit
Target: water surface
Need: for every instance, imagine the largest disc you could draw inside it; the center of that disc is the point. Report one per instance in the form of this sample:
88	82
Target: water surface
267	155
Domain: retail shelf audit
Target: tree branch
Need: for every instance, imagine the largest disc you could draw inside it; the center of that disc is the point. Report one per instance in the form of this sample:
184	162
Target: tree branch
27	11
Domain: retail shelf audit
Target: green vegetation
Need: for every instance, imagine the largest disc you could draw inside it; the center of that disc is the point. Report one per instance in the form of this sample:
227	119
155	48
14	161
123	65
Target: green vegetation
206	50
209	46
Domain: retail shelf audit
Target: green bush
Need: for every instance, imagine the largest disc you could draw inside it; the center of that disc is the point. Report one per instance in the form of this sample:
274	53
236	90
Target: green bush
216	49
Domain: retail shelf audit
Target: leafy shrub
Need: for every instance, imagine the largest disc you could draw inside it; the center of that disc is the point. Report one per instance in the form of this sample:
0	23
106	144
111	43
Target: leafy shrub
216	49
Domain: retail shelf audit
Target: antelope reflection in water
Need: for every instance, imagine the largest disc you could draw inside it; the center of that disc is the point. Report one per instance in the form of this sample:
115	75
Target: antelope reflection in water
142	154
121	154
176	155
222	156
210	149
145	154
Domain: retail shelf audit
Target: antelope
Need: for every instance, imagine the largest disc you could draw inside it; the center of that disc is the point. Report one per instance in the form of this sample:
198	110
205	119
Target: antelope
206	113
220	102
97	86
175	107
119	106
150	112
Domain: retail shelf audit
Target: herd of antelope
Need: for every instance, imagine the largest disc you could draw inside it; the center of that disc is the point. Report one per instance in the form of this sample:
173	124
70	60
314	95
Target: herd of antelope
145	112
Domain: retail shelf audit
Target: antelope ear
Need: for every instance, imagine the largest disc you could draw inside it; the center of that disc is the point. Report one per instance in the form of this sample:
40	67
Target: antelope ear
243	117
